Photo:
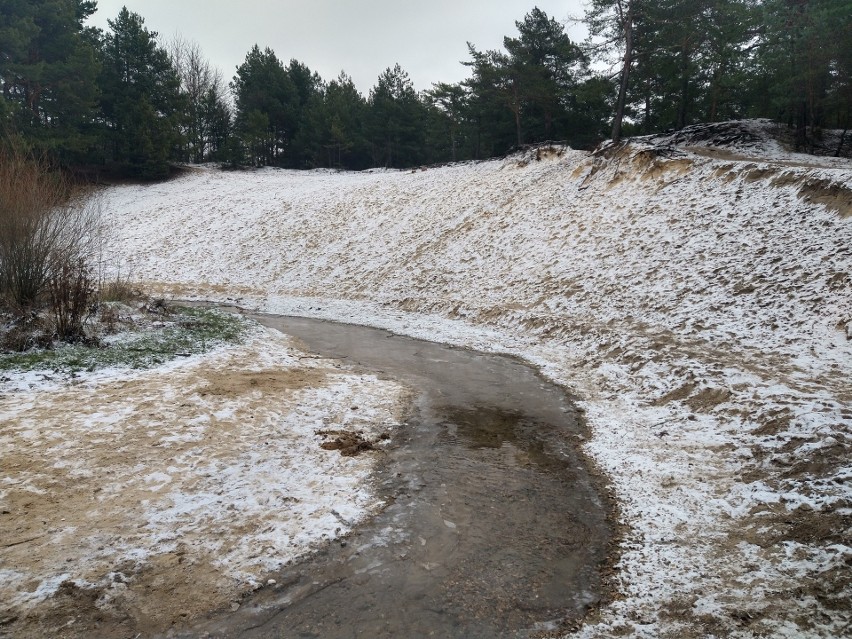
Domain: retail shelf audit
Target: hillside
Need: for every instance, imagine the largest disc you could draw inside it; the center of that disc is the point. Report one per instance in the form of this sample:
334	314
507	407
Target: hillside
699	303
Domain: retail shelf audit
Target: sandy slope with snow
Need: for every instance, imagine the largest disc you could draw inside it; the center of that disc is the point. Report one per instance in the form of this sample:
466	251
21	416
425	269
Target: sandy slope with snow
700	307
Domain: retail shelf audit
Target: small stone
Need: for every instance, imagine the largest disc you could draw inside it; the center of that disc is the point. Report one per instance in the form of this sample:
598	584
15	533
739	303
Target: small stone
235	606
271	582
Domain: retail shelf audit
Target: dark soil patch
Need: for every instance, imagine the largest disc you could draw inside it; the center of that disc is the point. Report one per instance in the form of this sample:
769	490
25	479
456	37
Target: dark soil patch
349	444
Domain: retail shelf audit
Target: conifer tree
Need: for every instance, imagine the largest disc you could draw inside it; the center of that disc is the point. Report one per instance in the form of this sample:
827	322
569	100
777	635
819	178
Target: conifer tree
805	54
548	67
141	100
615	22
396	120
267	108
492	120
48	72
448	102
309	87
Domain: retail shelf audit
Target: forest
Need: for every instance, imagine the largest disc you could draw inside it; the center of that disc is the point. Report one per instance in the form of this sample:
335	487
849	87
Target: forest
125	102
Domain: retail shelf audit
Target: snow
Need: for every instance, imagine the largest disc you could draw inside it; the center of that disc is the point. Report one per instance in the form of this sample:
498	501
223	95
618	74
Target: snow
698	306
177	459
756	140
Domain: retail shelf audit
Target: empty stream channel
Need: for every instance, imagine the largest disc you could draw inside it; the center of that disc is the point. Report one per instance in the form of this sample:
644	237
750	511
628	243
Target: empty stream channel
494	526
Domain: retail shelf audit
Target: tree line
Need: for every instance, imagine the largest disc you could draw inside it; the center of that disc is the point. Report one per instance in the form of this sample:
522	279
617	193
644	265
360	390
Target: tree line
684	62
124	101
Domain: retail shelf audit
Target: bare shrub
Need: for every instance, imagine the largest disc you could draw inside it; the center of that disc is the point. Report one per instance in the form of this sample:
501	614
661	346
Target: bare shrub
110	318
119	290
115	291
72	299
45	223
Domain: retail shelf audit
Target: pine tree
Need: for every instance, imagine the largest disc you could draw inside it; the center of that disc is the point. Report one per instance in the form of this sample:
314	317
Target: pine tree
309	87
615	21
332	132
48	72
547	67
267	108
395	120
141	100
804	52
448	102
493	108
346	109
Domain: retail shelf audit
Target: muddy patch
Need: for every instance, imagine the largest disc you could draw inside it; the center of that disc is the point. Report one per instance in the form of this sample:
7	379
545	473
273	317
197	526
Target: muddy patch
700	399
240	383
348	443
803	525
494	525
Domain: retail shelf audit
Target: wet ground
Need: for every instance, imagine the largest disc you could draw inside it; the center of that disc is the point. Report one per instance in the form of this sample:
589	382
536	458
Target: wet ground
494	527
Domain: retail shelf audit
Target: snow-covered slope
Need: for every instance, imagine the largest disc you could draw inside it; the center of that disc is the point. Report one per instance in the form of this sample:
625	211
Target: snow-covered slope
701	308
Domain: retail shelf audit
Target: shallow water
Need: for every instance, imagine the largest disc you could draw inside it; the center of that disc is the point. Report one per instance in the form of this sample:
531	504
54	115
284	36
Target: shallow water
494	528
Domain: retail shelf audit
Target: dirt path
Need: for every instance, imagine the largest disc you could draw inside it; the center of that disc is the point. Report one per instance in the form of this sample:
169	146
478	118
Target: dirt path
139	506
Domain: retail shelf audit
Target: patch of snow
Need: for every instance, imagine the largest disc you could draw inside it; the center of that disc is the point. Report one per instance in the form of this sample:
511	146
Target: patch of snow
196	459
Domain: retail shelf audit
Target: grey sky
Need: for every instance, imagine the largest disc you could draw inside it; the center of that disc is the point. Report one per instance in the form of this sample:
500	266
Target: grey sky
361	37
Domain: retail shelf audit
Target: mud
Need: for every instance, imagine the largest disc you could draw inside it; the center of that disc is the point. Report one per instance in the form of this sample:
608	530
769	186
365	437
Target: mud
495	527
349	444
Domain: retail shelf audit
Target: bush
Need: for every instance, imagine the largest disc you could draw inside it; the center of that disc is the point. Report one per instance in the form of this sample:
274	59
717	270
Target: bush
45	224
72	299
24	333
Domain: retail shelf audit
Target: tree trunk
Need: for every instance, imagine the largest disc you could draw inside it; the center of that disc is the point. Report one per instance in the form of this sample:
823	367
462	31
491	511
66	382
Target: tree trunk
647	126
801	125
714	92
684	87
516	108
627	27
840	145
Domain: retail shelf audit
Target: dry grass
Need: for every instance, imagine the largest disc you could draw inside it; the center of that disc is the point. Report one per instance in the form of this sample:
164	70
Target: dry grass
120	289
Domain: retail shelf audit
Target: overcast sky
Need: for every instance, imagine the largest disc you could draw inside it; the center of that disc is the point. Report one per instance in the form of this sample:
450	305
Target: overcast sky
361	37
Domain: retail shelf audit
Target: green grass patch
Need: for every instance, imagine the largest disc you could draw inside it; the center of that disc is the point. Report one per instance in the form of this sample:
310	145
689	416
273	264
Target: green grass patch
187	331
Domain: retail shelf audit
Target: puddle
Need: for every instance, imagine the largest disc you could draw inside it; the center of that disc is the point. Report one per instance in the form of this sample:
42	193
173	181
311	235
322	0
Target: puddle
493	526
